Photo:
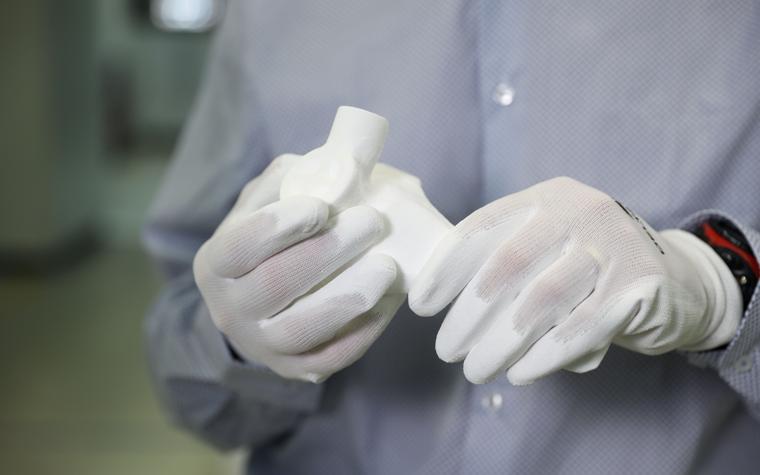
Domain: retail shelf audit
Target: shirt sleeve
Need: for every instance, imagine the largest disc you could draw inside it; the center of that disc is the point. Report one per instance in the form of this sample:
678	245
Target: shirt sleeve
226	402
738	363
203	387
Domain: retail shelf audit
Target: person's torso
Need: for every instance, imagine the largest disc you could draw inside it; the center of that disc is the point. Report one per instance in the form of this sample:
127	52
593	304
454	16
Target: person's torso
655	103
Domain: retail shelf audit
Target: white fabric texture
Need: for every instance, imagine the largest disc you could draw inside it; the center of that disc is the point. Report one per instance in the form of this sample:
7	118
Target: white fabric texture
547	278
278	279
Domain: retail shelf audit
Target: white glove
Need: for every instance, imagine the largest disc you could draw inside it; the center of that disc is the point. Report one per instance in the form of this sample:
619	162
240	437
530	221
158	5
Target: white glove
549	277
275	279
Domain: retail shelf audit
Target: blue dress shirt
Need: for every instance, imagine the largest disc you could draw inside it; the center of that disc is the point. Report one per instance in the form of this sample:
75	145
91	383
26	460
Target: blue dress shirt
656	103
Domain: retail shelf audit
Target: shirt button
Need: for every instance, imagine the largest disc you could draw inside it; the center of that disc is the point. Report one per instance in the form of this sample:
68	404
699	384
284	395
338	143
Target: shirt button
493	401
503	94
743	364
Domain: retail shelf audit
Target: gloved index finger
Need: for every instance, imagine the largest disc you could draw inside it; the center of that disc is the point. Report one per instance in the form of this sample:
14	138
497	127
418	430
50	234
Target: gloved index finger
265	188
459	255
246	240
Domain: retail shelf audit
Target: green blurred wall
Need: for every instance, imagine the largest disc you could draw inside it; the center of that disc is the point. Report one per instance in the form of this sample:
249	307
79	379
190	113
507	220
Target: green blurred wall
49	137
74	75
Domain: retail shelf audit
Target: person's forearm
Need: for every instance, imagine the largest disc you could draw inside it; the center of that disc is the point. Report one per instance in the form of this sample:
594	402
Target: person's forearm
225	402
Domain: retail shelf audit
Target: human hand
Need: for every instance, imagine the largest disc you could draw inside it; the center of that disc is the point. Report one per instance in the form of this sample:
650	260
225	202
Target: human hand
549	277
277	281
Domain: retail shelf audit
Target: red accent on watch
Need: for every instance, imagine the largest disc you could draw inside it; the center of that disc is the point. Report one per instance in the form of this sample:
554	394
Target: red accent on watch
716	239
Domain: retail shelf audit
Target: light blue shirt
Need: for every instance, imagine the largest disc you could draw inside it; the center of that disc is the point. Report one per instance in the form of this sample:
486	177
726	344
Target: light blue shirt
655	102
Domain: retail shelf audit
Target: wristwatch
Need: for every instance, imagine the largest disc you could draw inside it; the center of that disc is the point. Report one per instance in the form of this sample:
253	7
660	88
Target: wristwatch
732	247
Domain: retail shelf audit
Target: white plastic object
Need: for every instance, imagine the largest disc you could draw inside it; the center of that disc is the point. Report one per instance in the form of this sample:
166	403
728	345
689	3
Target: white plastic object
344	172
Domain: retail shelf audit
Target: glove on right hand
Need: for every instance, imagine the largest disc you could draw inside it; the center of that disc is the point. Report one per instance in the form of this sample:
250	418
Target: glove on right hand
275	279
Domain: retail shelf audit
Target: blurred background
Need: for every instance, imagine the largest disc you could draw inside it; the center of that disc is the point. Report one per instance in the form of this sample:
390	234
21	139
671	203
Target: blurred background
94	93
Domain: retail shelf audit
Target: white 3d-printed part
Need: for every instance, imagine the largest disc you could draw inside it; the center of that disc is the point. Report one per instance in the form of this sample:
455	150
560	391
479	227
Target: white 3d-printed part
344	172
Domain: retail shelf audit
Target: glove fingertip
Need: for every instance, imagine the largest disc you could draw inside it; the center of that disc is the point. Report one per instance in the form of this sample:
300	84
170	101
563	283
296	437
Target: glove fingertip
423	298
447	350
315	378
420	308
474	373
364	222
385	263
523	372
316	215
517	381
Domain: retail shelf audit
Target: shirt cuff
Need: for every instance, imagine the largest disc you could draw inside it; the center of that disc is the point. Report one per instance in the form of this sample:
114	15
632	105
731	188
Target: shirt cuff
249	380
738	363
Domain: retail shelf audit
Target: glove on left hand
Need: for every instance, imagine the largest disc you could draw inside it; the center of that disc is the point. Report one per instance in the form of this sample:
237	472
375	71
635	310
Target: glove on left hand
549	277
